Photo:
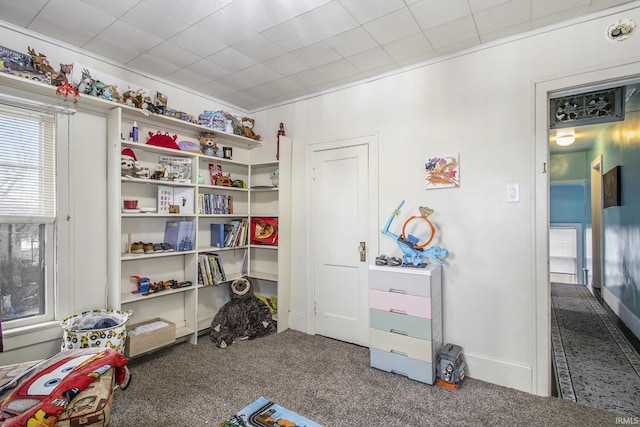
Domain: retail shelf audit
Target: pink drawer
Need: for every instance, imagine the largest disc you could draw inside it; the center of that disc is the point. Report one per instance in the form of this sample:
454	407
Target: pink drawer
400	303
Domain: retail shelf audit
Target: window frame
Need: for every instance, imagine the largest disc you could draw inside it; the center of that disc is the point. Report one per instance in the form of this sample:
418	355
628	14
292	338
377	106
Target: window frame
58	299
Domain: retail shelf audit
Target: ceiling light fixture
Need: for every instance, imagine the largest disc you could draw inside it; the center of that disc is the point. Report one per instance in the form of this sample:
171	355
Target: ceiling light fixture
564	139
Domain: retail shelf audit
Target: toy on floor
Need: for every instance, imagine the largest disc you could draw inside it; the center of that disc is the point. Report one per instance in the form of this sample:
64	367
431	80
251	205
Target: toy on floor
414	252
450	368
244	317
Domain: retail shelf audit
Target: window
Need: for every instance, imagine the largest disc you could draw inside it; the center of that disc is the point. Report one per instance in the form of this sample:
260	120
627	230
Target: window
27	216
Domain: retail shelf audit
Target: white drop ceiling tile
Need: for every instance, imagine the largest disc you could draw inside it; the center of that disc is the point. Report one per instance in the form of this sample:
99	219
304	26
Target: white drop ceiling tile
293	8
224	28
316	54
159	66
394	26
216	89
286	65
175	54
240	98
597	5
258	14
503	16
20	13
308	78
478	5
207	69
231	59
259	48
194	12
338	69
457	47
283	86
418	59
365	11
371	59
291	35
506	32
351	42
452	33
328	20
112	49
113	8
153	20
258	74
540	8
207	43
433	13
236	82
128	36
408	47
559	17
75	15
61	30
188	77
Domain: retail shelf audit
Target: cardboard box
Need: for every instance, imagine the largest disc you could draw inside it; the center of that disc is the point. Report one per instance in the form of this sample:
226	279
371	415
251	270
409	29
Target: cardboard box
150	340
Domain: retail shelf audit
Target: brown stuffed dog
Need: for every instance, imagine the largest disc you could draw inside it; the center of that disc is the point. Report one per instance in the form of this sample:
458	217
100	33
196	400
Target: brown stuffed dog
244	317
247	128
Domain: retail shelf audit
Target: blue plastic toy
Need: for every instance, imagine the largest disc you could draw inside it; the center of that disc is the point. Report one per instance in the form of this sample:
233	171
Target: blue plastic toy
414	252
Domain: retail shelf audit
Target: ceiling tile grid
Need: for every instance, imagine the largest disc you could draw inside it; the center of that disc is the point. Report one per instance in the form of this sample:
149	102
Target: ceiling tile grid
252	54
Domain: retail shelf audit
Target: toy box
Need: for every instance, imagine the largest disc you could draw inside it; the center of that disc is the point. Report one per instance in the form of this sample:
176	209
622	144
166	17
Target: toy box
150	335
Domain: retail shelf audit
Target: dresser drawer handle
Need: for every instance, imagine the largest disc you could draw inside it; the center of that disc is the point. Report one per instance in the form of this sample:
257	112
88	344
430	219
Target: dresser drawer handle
398	291
395	310
395	331
401	353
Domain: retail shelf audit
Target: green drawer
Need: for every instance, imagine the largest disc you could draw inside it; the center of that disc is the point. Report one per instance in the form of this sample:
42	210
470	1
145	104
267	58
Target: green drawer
417	327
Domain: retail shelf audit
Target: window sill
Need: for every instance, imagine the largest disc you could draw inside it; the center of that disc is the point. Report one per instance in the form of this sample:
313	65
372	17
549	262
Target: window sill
25	336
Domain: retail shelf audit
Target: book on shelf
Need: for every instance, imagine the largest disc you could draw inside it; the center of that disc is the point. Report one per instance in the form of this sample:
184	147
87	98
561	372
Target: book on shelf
180	234
217	235
215	170
177	169
181	197
210	269
215	204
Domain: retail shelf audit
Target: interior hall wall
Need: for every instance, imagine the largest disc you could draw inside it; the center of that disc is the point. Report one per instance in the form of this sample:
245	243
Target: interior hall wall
480	105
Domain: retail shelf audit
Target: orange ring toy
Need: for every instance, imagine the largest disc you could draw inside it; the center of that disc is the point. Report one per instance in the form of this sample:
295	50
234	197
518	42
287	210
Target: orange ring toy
428	221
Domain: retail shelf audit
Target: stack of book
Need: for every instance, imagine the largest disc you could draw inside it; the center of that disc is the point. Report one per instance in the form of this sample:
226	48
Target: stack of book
210	269
215	204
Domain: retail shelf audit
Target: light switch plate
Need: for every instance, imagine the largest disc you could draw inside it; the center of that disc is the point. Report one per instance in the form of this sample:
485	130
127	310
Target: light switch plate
513	193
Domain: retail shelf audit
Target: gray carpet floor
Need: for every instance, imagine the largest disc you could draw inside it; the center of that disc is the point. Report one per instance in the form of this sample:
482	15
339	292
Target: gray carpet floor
324	380
594	363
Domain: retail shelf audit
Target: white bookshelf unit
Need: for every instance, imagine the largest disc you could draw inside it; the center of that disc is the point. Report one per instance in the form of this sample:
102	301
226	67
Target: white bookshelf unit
191	308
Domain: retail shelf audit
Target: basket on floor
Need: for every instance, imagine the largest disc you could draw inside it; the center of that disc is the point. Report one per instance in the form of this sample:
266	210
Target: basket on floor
95	328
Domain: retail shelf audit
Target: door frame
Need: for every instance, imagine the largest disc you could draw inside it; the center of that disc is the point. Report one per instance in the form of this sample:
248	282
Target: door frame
596	224
371	140
540	290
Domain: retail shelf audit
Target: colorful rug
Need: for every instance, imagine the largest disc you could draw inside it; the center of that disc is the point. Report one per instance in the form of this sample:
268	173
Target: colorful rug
264	413
594	363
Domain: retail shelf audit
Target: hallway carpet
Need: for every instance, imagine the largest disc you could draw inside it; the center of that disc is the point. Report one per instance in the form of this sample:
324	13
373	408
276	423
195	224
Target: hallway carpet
594	363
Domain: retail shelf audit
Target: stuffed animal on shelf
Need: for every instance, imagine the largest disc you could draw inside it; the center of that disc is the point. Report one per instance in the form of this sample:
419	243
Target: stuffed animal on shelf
208	144
247	128
244	317
128	163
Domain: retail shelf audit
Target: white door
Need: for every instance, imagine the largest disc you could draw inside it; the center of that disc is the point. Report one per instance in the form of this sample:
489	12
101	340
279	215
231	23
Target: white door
341	221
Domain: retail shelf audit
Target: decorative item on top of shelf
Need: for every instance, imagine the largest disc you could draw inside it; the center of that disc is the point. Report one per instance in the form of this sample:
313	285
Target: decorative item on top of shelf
97	83
176	169
227	152
224	180
247	129
161	103
163	140
41	64
275	177
213	119
414	252
129	165
238	183
235	122
280	133
93	87
65	89
264	231
215	170
209	144
189	146
175	200
243	316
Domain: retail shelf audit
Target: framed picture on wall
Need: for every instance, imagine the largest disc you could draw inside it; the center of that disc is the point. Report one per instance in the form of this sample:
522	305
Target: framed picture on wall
611	190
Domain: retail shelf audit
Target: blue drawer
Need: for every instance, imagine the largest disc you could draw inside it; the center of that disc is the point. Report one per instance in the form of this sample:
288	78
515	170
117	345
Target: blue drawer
402	365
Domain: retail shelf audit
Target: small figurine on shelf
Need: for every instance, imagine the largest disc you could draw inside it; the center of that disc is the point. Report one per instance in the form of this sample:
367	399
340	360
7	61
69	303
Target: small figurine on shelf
128	163
280	133
208	144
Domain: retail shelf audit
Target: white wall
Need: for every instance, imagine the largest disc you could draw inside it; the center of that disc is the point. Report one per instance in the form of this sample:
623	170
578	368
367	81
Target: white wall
482	106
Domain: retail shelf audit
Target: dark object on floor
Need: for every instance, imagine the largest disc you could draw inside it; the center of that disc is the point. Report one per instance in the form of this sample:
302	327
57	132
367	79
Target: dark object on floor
244	317
450	368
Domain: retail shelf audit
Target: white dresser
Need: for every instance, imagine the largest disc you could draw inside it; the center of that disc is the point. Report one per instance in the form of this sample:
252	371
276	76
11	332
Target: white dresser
405	333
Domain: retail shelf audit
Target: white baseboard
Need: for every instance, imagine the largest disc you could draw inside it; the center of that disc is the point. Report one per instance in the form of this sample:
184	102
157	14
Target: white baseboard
499	372
627	317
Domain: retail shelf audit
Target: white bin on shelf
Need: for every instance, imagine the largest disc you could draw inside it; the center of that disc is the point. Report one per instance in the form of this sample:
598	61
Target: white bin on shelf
95	328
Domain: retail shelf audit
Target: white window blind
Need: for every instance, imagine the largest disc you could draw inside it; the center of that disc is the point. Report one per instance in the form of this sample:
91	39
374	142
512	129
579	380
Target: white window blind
27	165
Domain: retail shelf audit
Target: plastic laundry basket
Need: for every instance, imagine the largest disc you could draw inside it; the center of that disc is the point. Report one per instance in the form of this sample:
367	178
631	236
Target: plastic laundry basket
84	330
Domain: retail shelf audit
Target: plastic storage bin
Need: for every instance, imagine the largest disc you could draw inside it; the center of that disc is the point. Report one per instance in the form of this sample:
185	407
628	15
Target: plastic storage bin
95	328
